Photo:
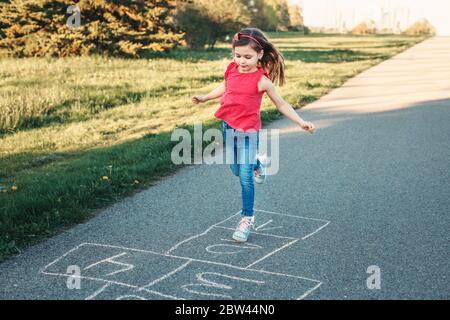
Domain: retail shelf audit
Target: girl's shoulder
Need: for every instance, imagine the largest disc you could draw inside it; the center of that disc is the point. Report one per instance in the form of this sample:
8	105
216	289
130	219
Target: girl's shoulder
264	72
229	68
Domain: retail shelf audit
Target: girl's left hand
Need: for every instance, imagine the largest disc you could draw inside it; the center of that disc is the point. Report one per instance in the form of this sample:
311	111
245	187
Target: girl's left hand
307	126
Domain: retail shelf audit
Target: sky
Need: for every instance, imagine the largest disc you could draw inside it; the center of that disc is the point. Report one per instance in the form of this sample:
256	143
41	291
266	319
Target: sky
329	13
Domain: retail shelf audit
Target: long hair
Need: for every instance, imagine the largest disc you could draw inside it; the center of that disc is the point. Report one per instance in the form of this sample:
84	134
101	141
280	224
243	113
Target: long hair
272	60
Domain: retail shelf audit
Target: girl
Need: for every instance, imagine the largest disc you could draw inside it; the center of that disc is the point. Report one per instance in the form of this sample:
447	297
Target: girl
256	66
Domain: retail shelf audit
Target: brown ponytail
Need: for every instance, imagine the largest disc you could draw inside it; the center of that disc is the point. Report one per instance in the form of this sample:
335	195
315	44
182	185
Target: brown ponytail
272	60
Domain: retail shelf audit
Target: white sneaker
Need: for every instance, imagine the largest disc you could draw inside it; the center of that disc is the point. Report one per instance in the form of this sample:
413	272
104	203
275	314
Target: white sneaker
243	229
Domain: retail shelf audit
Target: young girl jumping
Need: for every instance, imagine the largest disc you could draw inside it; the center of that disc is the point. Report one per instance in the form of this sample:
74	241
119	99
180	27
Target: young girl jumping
256	66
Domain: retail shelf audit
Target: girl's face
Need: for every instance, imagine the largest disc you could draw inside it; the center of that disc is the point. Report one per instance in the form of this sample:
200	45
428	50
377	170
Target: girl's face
246	57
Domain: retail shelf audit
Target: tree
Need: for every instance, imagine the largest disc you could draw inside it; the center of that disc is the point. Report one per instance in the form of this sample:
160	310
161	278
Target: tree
111	27
421	27
284	21
205	21
296	17
364	28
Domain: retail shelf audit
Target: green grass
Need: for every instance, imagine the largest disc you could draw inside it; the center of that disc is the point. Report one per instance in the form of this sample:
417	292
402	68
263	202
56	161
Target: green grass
66	123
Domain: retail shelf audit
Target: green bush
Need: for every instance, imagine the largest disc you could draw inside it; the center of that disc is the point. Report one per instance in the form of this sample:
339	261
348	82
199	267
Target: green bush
117	28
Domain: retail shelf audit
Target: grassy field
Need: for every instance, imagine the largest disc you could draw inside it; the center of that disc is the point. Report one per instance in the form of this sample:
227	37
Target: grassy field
78	134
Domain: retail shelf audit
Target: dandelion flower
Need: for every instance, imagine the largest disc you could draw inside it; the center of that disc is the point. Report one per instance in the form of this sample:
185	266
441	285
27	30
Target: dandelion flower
105	178
14	188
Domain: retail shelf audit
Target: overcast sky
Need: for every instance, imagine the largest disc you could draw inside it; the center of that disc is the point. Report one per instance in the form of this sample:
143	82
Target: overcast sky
328	12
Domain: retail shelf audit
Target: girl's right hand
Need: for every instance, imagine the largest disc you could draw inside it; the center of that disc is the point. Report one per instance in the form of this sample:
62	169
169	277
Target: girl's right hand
308	126
198	99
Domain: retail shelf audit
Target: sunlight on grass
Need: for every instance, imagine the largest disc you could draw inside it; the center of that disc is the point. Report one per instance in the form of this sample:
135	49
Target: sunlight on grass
73	104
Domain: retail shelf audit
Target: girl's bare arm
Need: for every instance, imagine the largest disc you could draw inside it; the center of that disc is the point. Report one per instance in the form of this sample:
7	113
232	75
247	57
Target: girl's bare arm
284	107
216	93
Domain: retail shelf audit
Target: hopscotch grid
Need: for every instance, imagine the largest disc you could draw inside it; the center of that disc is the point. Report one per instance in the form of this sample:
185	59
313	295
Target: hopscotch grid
167	254
174	256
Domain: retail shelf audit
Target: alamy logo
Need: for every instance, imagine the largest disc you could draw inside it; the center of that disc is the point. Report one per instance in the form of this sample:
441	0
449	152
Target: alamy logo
73	281
214	153
374	281
74	21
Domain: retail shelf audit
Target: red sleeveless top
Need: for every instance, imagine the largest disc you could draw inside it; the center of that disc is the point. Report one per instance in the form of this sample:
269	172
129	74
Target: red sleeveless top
241	102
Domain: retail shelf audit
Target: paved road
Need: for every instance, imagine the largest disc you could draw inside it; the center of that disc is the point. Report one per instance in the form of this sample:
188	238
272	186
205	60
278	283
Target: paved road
369	188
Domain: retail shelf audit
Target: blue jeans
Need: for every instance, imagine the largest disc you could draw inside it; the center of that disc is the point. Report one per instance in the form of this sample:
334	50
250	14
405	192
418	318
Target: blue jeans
242	158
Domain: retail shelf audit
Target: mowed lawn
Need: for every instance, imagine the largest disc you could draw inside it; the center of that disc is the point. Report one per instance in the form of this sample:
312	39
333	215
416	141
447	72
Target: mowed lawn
77	134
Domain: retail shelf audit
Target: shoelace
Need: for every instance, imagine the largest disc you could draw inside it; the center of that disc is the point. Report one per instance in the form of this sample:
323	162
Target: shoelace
245	223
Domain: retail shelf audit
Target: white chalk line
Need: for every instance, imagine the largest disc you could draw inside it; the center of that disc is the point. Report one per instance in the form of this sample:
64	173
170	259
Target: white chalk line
111	260
91	278
61	257
284	275
163	295
290	215
185	287
270	228
212	284
130	296
199	235
264	224
273	252
166	275
109	283
307	293
238	246
201	278
309	235
96	293
247	244
259	233
122	247
233	241
233	245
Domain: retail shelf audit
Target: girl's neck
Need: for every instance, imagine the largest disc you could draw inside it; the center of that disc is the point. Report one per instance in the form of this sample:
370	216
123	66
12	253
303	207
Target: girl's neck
255	68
